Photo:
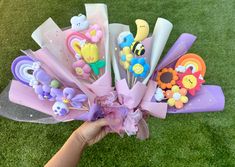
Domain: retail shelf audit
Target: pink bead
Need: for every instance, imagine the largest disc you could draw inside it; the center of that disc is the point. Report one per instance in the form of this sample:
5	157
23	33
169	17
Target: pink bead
87	68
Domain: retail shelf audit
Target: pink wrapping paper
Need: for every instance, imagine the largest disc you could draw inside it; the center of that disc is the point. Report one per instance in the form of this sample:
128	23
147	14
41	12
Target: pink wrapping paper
25	95
53	40
130	97
102	86
158	110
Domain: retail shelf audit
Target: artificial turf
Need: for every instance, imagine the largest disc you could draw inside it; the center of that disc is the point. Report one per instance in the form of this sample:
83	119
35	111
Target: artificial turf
200	139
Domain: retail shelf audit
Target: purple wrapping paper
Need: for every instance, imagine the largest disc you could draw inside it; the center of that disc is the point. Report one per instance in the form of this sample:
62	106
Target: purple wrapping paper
210	98
179	48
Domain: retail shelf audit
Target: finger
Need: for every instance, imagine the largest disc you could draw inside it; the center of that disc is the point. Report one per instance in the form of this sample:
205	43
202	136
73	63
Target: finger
103	133
109	130
100	136
101	122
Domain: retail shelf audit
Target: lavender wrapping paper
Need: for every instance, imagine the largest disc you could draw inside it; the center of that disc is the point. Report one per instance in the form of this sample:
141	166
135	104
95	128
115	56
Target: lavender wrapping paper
179	48
209	99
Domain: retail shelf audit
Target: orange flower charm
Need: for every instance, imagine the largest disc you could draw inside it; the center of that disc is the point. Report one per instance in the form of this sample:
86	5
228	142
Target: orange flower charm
176	97
166	78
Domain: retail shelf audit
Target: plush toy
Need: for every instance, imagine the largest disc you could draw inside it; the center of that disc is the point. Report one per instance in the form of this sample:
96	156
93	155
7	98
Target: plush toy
79	23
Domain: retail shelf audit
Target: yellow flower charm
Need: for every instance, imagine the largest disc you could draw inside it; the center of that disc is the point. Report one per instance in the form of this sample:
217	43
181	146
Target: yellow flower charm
79	70
138	68
66	101
125	57
90	53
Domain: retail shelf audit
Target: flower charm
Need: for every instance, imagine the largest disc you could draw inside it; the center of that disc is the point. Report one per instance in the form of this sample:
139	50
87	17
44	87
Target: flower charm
94	33
176	97
90	54
166	78
82	69
69	96
190	81
43	92
125	57
139	67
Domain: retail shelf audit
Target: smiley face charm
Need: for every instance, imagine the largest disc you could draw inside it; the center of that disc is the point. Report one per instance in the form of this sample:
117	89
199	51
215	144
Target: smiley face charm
190	81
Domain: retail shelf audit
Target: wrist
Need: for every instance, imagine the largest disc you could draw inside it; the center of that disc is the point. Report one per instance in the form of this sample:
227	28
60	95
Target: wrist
79	138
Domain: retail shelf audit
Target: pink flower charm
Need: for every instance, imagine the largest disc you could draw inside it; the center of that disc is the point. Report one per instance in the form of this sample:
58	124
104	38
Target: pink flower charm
94	33
82	69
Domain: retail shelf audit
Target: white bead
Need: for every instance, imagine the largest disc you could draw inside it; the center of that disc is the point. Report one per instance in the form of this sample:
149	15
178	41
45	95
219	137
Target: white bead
176	96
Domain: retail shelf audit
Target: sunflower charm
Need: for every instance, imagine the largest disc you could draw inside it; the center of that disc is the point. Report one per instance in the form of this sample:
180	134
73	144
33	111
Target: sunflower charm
166	78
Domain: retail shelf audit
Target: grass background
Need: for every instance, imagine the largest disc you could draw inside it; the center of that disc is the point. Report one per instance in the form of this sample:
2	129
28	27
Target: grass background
200	139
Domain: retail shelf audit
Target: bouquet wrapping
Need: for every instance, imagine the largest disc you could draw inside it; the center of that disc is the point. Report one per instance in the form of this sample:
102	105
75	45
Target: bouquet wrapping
56	58
210	97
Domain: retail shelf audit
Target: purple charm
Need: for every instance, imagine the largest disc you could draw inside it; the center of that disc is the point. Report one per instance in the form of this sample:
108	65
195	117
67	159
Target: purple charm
56	93
60	109
22	69
94	113
69	96
42	77
43	92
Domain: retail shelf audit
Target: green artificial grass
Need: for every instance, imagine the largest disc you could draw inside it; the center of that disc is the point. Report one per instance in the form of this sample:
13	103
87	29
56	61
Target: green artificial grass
200	139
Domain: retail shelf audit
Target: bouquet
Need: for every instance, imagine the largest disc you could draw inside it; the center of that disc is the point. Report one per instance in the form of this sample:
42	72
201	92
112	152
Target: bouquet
69	78
177	83
71	69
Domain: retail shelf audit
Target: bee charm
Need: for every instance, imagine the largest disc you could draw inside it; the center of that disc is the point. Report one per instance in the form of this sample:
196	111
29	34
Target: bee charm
137	48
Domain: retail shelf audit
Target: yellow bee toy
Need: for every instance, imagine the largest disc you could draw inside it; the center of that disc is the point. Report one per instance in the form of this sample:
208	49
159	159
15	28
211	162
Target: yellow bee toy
137	48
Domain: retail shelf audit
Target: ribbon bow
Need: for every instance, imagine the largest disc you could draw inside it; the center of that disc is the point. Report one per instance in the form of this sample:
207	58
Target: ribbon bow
119	117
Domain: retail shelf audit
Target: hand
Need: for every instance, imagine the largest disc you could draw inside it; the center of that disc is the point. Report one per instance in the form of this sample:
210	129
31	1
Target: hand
92	132
87	134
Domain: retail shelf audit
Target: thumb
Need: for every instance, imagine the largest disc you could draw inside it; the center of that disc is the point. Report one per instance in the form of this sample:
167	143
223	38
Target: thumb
100	136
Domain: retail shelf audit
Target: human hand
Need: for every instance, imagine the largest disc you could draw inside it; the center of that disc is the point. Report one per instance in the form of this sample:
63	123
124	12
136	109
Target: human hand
92	132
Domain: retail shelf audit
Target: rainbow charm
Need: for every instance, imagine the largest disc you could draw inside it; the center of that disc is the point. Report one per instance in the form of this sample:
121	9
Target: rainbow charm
22	69
75	42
